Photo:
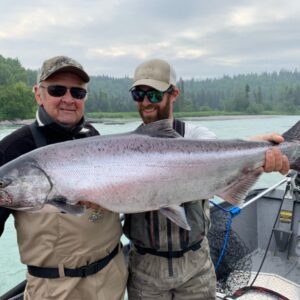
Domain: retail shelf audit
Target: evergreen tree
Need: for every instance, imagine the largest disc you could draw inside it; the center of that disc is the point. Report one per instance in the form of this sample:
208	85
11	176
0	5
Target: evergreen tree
246	93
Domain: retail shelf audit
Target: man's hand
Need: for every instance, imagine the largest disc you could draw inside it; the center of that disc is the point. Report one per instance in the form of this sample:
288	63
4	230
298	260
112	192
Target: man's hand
269	137
275	161
88	204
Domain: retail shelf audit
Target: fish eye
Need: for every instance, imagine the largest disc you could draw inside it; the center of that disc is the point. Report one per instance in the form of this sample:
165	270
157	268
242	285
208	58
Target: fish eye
4	182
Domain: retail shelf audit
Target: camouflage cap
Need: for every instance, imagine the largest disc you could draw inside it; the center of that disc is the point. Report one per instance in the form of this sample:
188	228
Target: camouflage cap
61	63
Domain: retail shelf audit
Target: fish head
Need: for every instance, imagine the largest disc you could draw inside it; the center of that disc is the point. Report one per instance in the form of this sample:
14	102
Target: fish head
23	185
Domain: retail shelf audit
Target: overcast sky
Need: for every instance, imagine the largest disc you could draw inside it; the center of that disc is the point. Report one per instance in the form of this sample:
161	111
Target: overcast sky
111	37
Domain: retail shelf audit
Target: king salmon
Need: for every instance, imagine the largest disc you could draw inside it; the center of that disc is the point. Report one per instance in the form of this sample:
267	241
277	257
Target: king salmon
149	169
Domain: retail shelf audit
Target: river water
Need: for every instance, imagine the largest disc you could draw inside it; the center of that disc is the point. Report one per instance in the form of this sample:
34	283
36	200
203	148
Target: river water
13	272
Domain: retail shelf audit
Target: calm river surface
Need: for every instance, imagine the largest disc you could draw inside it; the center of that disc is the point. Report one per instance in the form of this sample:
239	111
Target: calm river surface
13	272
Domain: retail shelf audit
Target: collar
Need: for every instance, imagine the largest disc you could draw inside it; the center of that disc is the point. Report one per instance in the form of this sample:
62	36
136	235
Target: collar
44	120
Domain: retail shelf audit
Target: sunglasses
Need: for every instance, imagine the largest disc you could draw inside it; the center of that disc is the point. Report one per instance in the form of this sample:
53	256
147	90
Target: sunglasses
60	90
154	96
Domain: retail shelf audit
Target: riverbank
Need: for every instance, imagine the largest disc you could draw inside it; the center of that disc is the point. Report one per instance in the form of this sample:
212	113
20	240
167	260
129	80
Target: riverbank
16	122
118	120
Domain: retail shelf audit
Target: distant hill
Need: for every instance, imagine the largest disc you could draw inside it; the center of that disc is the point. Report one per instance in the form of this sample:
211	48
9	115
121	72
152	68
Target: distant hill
250	93
277	92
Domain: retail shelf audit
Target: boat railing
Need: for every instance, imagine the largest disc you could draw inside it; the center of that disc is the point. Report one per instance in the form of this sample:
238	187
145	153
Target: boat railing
291	187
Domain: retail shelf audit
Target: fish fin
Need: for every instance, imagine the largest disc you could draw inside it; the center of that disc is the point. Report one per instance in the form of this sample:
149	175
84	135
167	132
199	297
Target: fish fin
177	215
161	128
47	208
29	209
296	165
293	134
63	206
236	192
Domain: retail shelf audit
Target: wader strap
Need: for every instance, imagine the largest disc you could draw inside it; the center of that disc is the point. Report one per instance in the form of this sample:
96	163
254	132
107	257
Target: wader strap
173	254
184	236
83	271
170	246
39	138
153	221
179	127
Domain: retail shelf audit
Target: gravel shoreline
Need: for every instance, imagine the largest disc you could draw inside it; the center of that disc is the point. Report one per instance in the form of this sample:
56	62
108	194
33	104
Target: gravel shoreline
16	122
19	122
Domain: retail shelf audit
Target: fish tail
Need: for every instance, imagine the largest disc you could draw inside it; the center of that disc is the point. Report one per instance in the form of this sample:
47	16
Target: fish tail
296	165
293	134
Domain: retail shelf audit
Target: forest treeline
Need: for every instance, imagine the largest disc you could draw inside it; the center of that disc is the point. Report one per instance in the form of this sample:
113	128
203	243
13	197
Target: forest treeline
266	93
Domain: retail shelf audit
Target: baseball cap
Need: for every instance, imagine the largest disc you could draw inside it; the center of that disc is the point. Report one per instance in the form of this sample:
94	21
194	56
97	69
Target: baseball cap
61	63
156	73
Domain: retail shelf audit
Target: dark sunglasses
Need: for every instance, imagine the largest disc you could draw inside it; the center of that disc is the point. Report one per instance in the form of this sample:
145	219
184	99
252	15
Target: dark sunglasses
60	90
154	96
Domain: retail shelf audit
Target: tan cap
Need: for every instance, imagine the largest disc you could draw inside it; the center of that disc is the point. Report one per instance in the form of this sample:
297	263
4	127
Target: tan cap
156	73
61	63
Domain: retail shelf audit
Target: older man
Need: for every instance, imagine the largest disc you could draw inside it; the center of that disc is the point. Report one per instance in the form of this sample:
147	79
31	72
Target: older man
68	257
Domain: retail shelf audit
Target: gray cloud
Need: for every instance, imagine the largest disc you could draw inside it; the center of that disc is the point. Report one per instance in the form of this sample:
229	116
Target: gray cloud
201	39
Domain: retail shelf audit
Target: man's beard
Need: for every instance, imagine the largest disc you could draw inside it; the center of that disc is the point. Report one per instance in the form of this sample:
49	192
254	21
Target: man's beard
161	112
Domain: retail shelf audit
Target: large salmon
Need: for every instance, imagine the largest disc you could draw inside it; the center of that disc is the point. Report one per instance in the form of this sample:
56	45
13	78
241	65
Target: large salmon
141	171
